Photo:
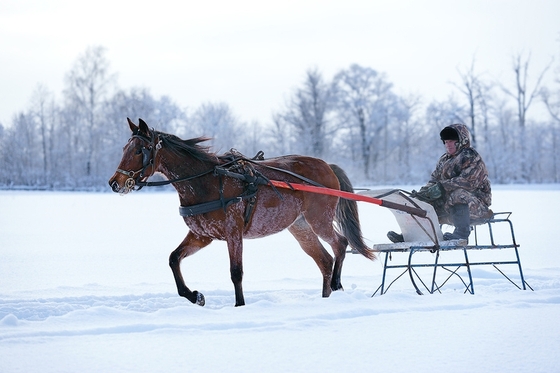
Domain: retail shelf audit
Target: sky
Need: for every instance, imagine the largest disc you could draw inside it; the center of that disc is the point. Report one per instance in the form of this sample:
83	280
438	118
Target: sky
253	54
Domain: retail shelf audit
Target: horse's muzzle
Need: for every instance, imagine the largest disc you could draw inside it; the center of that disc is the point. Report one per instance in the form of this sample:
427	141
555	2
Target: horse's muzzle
114	186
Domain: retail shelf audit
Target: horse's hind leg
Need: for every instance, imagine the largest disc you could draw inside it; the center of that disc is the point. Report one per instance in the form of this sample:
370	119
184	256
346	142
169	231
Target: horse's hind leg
190	245
338	245
339	248
309	242
323	228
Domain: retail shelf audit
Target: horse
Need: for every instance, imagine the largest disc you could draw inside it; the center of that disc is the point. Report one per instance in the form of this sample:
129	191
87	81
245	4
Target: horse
228	197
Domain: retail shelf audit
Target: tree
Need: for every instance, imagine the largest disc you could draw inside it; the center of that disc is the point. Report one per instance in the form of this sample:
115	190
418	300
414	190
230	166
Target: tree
367	106
43	111
217	121
162	114
18	155
523	98
307	113
88	86
409	155
253	139
551	99
472	87
355	120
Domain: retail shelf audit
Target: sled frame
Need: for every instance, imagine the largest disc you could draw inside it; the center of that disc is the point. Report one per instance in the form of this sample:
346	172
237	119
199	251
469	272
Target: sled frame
460	269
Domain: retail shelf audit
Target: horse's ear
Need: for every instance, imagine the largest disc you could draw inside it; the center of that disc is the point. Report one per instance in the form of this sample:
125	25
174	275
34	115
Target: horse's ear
144	127
132	126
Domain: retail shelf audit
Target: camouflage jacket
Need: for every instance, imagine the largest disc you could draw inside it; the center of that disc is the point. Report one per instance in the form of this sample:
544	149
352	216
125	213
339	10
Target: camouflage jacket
463	170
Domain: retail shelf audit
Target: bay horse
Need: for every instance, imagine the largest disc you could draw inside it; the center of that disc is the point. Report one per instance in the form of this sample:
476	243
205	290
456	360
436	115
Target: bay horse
228	198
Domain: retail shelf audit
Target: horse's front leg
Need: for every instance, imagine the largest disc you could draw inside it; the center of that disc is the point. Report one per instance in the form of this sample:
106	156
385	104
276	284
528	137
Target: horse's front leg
235	249
190	245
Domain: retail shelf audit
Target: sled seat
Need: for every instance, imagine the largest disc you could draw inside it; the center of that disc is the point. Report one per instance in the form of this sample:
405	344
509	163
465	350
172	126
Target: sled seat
431	262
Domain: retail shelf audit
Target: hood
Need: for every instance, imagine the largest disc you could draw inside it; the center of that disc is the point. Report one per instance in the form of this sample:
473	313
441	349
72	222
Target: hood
463	133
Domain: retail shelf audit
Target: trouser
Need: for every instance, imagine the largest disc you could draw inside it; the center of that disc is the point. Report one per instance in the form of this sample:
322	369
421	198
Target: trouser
444	206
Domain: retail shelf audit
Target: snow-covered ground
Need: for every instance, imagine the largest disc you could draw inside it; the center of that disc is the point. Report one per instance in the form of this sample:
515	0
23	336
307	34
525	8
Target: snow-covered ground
85	287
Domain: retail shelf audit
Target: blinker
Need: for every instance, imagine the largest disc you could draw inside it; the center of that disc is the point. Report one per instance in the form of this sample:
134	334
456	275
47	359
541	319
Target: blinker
146	152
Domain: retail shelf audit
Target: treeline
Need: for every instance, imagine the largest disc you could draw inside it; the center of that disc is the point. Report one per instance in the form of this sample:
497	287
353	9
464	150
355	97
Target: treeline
354	119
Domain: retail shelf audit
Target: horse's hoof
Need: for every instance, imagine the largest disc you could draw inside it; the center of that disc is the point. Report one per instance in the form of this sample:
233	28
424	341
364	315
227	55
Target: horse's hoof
200	299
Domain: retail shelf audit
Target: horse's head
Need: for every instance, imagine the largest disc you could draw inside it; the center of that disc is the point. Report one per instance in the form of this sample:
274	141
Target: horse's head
138	160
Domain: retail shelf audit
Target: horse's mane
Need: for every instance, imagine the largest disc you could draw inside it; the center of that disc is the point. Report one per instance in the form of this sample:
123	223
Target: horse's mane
189	147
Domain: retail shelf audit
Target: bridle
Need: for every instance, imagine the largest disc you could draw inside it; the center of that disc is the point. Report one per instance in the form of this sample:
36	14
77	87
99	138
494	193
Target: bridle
150	148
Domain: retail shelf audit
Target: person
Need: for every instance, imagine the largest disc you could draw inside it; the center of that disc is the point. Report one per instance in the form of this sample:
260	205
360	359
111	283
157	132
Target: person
458	189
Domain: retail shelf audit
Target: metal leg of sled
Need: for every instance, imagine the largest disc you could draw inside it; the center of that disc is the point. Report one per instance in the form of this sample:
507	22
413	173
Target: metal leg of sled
469	288
511	245
382	289
452	269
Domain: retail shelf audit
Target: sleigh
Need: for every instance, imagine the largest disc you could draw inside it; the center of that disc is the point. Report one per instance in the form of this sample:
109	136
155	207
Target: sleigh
431	263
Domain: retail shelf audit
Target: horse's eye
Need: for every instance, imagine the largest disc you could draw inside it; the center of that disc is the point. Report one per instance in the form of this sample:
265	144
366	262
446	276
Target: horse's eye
138	151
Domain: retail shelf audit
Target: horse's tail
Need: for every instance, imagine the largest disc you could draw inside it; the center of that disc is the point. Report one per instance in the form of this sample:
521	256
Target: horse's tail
347	217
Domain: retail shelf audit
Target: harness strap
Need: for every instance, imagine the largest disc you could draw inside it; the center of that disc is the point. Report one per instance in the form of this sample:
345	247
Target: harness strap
252	180
205	207
301	177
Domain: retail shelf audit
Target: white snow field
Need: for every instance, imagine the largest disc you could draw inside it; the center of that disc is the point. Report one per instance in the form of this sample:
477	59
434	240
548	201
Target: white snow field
85	287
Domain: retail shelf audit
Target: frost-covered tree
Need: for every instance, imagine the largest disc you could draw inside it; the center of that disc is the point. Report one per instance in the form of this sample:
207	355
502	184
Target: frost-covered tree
307	116
43	111
217	121
471	87
20	153
356	120
523	96
367	106
551	99
88	86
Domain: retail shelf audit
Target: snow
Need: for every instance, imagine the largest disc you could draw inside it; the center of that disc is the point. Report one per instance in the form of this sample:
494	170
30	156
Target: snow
85	286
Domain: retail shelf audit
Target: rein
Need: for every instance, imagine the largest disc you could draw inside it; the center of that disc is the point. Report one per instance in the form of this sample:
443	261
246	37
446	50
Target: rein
253	178
148	158
241	168
167	182
223	171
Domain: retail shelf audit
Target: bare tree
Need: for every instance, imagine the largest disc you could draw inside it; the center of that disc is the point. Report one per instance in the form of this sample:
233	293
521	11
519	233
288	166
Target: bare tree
217	121
471	87
43	111
365	104
524	97
521	95
308	114
88	86
551	99
409	155
18	155
281	135
355	120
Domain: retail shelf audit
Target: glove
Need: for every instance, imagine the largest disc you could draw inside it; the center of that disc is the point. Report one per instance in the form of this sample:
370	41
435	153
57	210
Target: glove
429	193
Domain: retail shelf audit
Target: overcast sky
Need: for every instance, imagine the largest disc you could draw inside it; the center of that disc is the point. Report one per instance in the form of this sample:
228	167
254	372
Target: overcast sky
252	54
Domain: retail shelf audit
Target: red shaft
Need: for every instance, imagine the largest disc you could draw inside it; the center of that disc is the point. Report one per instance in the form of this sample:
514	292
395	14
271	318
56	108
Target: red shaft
328	191
348	195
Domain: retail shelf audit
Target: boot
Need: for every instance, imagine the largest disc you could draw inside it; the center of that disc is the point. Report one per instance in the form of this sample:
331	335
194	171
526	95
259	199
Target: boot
395	237
462	221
